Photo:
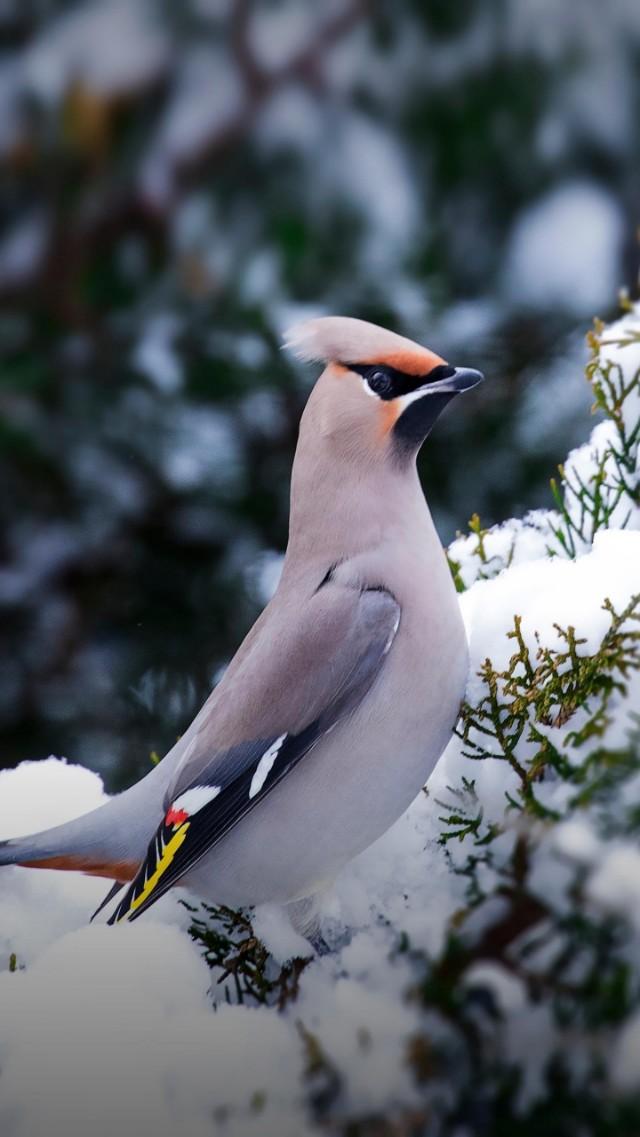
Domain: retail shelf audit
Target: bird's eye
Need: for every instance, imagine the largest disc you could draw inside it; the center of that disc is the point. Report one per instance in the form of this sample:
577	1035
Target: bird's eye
380	383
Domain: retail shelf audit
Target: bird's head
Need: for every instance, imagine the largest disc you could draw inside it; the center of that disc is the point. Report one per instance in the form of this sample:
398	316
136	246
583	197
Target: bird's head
379	391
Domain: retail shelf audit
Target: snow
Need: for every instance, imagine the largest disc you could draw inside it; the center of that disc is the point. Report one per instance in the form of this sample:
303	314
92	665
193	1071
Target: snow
49	792
128	1026
550	591
208	98
364	167
620	355
128	1019
365	1032
200	447
22	250
616	882
626	1062
278	935
564	251
110	45
39	907
508	991
556	401
155	354
507	545
12	118
279	32
576	839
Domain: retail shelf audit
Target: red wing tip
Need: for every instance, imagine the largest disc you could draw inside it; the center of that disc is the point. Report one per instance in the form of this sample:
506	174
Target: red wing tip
176	816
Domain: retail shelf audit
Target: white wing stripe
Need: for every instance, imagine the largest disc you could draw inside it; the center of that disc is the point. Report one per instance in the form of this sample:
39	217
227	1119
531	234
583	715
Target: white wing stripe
264	766
196	798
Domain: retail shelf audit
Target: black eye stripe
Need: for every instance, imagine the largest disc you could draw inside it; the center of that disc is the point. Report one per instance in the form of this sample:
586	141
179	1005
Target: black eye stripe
389	383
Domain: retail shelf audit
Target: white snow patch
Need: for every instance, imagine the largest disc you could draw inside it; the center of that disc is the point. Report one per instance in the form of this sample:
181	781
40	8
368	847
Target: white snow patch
565	251
620	352
38	795
278	935
577	840
551	591
508	991
545	592
513	543
208	97
278	32
109	45
200	447
625	1066
155	354
615	884
119	1013
22	249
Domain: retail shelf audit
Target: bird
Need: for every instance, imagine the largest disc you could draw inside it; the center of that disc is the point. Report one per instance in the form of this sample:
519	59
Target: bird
338	703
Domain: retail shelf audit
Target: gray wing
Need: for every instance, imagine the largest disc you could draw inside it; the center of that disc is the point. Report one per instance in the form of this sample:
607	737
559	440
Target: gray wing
313	674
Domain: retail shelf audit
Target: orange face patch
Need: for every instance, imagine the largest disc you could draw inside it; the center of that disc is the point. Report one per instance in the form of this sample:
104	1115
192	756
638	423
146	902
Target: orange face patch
389	413
418	362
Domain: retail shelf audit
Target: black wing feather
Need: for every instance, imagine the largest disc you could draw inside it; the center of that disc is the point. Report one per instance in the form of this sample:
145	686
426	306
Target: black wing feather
174	850
210	824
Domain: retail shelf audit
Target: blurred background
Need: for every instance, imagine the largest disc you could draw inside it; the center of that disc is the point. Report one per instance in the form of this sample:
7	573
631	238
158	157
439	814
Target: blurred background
178	182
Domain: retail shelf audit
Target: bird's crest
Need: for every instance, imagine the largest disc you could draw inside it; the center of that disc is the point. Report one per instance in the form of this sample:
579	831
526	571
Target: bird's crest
341	339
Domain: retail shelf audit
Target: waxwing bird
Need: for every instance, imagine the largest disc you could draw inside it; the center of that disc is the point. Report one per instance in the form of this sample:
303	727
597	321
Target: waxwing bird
337	705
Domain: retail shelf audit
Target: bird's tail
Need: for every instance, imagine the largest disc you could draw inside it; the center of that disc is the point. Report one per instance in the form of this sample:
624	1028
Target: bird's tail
54	849
9	853
110	841
84	845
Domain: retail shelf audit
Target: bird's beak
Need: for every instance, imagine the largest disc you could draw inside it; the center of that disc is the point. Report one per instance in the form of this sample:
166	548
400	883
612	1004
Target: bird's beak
421	407
463	379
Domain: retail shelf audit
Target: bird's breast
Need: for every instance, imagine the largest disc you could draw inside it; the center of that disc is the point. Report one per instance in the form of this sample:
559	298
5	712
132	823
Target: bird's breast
361	776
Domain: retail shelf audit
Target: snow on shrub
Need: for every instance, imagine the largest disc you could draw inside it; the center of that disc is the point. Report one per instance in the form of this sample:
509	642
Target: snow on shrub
484	971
